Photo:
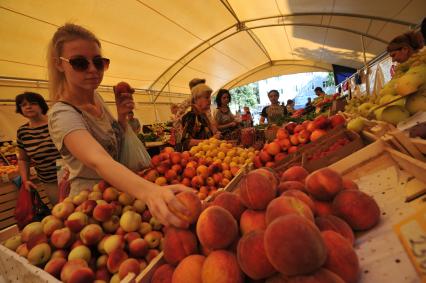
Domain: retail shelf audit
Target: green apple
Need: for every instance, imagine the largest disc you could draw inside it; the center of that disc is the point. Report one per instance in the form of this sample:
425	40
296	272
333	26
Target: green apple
356	124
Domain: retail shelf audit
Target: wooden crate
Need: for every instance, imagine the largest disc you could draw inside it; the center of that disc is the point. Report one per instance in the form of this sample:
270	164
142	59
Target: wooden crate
393	179
420	144
8	197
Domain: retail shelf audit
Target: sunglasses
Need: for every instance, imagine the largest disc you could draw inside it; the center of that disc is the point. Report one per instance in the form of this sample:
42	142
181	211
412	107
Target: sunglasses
81	64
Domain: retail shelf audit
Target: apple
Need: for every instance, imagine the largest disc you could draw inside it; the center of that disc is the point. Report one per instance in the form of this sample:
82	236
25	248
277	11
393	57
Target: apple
39	254
63	209
76	221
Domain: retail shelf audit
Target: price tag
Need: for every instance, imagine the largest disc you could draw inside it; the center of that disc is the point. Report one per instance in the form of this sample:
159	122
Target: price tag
412	234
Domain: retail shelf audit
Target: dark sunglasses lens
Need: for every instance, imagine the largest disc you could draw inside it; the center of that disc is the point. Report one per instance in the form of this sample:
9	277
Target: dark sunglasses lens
101	63
79	64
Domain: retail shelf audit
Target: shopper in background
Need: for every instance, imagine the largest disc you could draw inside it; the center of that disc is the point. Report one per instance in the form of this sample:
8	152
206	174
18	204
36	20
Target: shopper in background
319	92
224	119
35	144
274	112
134	122
87	136
246	117
196	125
290	106
402	47
196	81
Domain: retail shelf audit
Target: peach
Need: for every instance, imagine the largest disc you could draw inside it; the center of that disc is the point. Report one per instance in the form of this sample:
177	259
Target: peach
59	254
82	275
22	250
153	239
31	230
320	276
221	266
130	265
322	208
271	174
163	274
103	212
61	238
216	228
295	173
76	221
357	208
111	225
70	267
341	258
13	242
112	243
189	270
144	228
301	196
96	195
317	134
34	241
91	234
115	259
101	261
54	266
230	202
336	224
294	245
264	156
130	221
324	184
287	205
62	210
82	252
252	220
39	254
80	198
125	199
189	172
110	194
348	184
252	257
290	185
178	244
102	273
131	236
151	254
256	190
138	248
273	148
87	207
192	203
52	225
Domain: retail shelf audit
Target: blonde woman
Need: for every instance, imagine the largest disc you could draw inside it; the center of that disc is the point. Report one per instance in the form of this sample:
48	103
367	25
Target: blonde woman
85	133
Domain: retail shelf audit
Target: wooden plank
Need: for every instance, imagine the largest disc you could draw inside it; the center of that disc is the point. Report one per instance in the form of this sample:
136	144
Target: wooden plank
7	188
8	232
415	167
8	222
8	197
407	144
8	205
146	274
7	213
420	144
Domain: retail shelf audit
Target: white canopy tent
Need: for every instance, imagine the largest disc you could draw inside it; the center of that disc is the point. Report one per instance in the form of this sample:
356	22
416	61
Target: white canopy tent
159	45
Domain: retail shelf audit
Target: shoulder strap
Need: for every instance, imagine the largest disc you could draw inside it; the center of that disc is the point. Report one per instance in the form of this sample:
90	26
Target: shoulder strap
69	104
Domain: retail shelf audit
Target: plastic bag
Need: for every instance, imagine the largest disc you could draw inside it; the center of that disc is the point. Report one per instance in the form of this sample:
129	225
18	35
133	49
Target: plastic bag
40	209
24	208
133	153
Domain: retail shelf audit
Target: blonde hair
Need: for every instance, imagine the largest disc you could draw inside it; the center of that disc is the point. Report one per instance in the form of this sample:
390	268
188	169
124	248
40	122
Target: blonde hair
65	33
200	90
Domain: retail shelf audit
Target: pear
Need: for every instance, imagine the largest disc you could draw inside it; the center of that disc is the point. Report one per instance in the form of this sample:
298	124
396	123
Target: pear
356	124
416	102
365	108
393	114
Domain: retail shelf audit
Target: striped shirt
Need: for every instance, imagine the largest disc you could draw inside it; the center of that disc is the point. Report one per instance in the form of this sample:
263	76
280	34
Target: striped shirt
39	147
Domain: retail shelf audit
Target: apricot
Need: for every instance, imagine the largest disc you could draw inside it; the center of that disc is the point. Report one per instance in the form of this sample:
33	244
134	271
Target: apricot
336	224
287	205
189	270
324	184
256	190
294	245
178	244
230	202
216	228
221	266
341	258
252	257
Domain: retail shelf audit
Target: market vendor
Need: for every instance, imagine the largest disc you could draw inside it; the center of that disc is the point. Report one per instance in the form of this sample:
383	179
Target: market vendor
319	92
225	120
402	47
35	144
134	122
196	125
274	112
85	132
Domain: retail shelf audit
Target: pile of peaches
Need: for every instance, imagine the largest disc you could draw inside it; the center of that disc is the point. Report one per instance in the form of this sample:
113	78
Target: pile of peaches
294	228
292	136
206	167
99	235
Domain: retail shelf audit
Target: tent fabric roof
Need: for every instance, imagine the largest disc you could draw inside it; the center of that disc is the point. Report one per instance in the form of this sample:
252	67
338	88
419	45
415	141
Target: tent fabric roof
161	45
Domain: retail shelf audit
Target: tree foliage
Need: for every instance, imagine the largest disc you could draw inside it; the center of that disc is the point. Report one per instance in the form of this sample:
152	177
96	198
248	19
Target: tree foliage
247	95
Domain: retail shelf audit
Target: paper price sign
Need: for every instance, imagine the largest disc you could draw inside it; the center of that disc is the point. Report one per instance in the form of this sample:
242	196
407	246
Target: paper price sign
412	233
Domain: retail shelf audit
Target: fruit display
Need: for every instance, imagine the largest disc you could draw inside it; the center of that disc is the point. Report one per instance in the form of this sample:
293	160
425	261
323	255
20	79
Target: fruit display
292	136
271	230
206	167
8	148
327	151
99	235
399	98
